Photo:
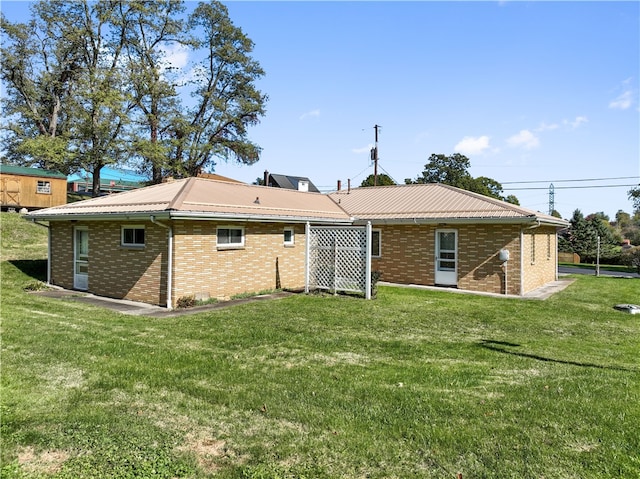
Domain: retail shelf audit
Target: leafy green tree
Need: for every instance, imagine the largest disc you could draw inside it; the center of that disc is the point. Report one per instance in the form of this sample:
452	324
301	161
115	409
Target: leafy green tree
453	170
383	180
634	195
40	66
89	84
226	99
449	170
631	258
101	100
154	26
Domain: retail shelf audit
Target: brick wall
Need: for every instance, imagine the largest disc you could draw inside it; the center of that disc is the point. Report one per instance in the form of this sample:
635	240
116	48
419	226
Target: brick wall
62	254
200	268
134	273
115	271
204	270
408	255
539	257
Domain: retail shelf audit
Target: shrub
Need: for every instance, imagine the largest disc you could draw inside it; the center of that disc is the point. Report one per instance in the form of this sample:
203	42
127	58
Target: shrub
186	301
631	258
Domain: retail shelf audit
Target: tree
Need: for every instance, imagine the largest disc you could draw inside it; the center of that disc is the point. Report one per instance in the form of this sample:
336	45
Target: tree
40	67
631	258
383	180
101	100
583	235
448	170
634	195
88	84
226	99
453	170
155	26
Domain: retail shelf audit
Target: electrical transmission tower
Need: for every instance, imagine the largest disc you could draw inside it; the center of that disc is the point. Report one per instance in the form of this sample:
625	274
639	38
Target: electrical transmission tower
551	199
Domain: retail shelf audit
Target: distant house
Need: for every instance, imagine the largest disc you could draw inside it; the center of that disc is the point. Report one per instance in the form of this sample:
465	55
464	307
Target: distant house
31	188
207	238
112	180
289	182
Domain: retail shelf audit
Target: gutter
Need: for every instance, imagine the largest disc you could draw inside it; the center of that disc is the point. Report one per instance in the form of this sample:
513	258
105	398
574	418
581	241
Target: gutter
48	248
152	218
527	222
185	215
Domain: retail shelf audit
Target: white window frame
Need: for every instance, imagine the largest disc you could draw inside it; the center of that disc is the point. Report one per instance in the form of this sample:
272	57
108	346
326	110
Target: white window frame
134	244
230	245
379	232
292	239
43	187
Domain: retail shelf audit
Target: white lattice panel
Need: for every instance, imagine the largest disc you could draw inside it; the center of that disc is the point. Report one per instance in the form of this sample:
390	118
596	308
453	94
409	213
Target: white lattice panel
338	258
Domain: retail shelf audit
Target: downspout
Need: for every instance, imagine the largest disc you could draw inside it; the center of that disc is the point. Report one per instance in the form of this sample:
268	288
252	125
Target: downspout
169	260
307	241
48	248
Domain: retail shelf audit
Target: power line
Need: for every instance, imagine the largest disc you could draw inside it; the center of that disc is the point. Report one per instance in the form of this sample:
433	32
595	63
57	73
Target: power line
570	181
567	187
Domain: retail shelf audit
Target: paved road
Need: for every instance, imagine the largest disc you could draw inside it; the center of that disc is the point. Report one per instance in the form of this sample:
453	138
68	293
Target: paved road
619	274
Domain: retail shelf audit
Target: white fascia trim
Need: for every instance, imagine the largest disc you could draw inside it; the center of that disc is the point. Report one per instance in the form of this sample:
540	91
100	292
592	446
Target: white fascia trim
529	221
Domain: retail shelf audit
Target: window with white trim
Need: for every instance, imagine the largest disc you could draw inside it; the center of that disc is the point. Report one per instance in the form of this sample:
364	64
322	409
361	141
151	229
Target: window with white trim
132	235
289	237
376	243
43	187
230	237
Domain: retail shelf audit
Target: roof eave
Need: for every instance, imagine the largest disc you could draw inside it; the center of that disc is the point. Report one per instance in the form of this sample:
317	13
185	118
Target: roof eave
526	221
183	215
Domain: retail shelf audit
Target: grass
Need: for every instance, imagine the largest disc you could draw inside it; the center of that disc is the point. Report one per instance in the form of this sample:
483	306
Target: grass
413	384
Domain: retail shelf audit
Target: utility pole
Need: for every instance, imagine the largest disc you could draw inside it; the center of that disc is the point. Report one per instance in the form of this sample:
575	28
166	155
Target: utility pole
374	157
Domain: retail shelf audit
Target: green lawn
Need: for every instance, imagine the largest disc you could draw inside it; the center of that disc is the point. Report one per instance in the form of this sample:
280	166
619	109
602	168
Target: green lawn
413	384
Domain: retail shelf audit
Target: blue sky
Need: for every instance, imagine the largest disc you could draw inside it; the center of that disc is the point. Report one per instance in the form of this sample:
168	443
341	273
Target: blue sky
529	91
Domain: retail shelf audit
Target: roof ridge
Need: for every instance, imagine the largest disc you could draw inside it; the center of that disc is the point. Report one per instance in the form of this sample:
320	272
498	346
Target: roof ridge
178	199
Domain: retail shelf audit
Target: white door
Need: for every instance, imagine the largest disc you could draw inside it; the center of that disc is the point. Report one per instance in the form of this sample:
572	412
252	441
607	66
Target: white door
446	257
81	258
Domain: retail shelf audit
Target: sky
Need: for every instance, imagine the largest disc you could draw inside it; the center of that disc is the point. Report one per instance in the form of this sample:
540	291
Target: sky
533	93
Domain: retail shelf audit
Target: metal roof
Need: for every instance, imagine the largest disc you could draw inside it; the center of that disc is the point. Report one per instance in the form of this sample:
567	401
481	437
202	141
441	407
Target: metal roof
432	202
200	198
26	171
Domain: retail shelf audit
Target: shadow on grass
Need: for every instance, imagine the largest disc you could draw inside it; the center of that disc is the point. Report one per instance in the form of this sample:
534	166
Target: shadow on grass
502	347
36	268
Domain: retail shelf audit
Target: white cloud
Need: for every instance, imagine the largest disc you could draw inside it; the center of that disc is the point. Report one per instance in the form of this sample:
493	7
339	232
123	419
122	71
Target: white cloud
579	120
622	101
175	55
310	114
364	149
470	145
524	139
625	99
547	127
